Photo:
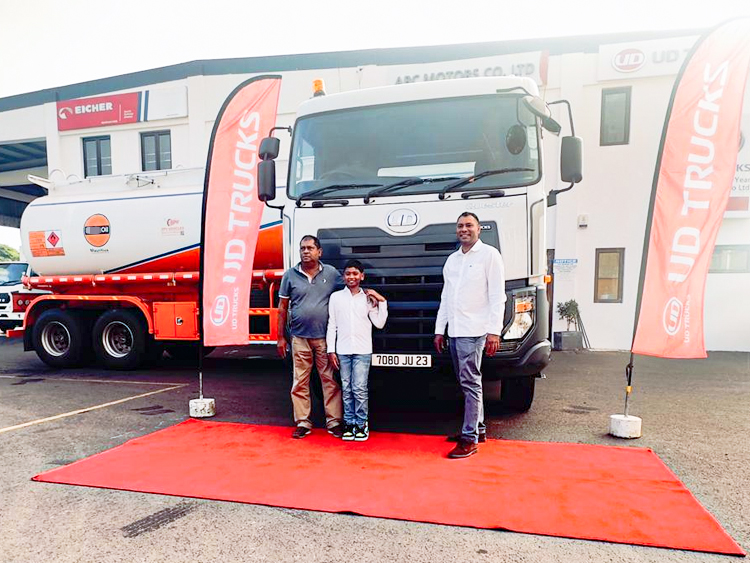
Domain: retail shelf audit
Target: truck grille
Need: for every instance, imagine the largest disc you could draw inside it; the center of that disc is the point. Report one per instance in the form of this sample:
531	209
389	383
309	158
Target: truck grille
4	298
406	270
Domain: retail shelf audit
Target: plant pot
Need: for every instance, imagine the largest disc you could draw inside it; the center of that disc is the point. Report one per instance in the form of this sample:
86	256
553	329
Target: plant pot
567	340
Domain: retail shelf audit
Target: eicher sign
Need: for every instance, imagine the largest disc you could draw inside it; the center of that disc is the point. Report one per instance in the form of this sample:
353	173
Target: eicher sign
99	112
640	59
532	65
692	184
119	109
232	210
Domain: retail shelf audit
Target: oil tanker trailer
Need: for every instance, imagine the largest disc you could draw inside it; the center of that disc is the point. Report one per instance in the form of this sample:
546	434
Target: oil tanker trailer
121	258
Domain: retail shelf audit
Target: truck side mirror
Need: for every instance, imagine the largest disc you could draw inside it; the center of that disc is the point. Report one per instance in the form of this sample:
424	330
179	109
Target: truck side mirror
571	159
266	180
269	149
540	109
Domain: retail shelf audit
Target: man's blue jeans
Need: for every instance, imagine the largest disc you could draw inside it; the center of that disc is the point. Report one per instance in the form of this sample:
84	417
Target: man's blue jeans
354	371
466	352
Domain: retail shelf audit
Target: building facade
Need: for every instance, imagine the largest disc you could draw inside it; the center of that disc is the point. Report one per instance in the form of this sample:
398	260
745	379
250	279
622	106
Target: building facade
619	89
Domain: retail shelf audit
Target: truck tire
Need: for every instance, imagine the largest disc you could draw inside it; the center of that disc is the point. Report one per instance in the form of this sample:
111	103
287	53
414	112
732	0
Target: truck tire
59	338
120	339
517	394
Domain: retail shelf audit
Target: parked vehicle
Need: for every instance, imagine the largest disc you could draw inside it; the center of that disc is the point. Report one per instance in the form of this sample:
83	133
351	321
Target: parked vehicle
14	297
120	256
382	175
379	175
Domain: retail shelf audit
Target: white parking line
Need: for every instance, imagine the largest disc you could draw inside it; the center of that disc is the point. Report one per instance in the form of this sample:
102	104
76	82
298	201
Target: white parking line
128	381
87	409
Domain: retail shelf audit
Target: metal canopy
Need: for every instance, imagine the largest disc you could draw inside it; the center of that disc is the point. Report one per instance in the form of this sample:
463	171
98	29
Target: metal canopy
18	156
14	199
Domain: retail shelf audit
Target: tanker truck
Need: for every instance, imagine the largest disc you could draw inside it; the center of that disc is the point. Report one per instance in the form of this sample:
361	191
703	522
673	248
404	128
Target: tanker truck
120	256
381	176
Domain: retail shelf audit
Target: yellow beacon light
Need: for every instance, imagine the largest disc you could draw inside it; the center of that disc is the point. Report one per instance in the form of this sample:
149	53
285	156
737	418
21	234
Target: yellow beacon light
318	88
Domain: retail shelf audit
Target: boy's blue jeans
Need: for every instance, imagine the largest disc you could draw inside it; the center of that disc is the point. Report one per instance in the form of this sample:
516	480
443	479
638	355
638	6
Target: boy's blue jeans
354	371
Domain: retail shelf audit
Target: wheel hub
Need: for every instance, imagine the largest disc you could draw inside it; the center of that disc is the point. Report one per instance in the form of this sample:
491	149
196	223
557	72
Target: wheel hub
55	339
117	339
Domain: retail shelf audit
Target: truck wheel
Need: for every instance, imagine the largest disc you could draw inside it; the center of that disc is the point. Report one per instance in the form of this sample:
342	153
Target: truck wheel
517	393
120	339
58	338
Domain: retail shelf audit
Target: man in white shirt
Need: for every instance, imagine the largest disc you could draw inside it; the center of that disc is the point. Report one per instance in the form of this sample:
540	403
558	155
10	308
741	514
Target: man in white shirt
351	313
471	306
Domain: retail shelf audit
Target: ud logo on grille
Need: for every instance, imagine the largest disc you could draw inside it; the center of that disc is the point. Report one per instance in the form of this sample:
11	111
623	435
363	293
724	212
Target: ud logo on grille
402	220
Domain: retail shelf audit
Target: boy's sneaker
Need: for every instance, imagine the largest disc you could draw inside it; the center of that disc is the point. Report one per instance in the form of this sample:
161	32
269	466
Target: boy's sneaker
361	433
348	434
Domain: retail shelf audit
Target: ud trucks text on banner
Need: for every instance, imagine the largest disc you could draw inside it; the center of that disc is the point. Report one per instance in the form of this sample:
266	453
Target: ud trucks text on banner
691	188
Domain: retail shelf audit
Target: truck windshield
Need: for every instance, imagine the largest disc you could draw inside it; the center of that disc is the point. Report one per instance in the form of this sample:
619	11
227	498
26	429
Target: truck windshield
439	140
10	274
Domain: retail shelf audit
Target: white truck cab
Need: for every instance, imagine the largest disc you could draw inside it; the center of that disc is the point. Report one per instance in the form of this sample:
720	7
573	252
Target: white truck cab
381	176
14	297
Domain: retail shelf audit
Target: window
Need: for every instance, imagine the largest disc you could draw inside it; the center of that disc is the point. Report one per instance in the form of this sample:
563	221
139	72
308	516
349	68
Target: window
730	259
156	150
615	119
608	275
97	156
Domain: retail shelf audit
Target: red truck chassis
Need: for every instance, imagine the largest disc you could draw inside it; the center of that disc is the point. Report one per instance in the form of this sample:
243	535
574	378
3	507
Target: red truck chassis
125	319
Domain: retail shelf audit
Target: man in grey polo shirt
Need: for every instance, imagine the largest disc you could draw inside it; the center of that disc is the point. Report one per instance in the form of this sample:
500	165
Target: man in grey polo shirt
303	295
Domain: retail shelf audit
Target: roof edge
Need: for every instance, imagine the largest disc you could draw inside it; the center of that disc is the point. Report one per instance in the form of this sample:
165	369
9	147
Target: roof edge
331	59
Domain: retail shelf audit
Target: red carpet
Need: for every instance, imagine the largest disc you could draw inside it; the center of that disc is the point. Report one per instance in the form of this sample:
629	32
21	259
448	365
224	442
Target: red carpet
614	494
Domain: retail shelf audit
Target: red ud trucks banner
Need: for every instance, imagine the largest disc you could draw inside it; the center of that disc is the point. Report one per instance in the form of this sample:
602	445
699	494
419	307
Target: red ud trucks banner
232	210
692	184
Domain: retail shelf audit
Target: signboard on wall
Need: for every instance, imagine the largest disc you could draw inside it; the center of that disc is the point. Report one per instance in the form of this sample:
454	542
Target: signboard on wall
738	205
532	65
120	109
640	59
564	268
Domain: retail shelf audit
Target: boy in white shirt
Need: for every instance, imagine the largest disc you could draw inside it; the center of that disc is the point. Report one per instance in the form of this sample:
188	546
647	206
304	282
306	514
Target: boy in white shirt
351	313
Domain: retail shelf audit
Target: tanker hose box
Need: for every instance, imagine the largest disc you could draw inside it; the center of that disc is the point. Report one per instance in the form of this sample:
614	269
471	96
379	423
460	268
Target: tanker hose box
176	321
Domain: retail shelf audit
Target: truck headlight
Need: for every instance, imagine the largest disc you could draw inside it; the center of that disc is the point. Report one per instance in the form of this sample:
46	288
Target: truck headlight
523	317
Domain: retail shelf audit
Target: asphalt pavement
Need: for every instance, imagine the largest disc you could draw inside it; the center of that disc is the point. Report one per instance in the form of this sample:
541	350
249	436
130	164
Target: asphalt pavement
696	417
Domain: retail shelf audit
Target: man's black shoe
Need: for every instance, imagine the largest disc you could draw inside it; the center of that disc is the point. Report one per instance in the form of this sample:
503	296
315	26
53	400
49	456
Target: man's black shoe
336	431
464	448
300	432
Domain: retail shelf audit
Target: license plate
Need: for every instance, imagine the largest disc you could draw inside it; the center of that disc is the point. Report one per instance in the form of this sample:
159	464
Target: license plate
402	360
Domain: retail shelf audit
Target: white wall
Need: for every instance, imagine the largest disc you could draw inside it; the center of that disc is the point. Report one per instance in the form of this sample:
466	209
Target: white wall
25	124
